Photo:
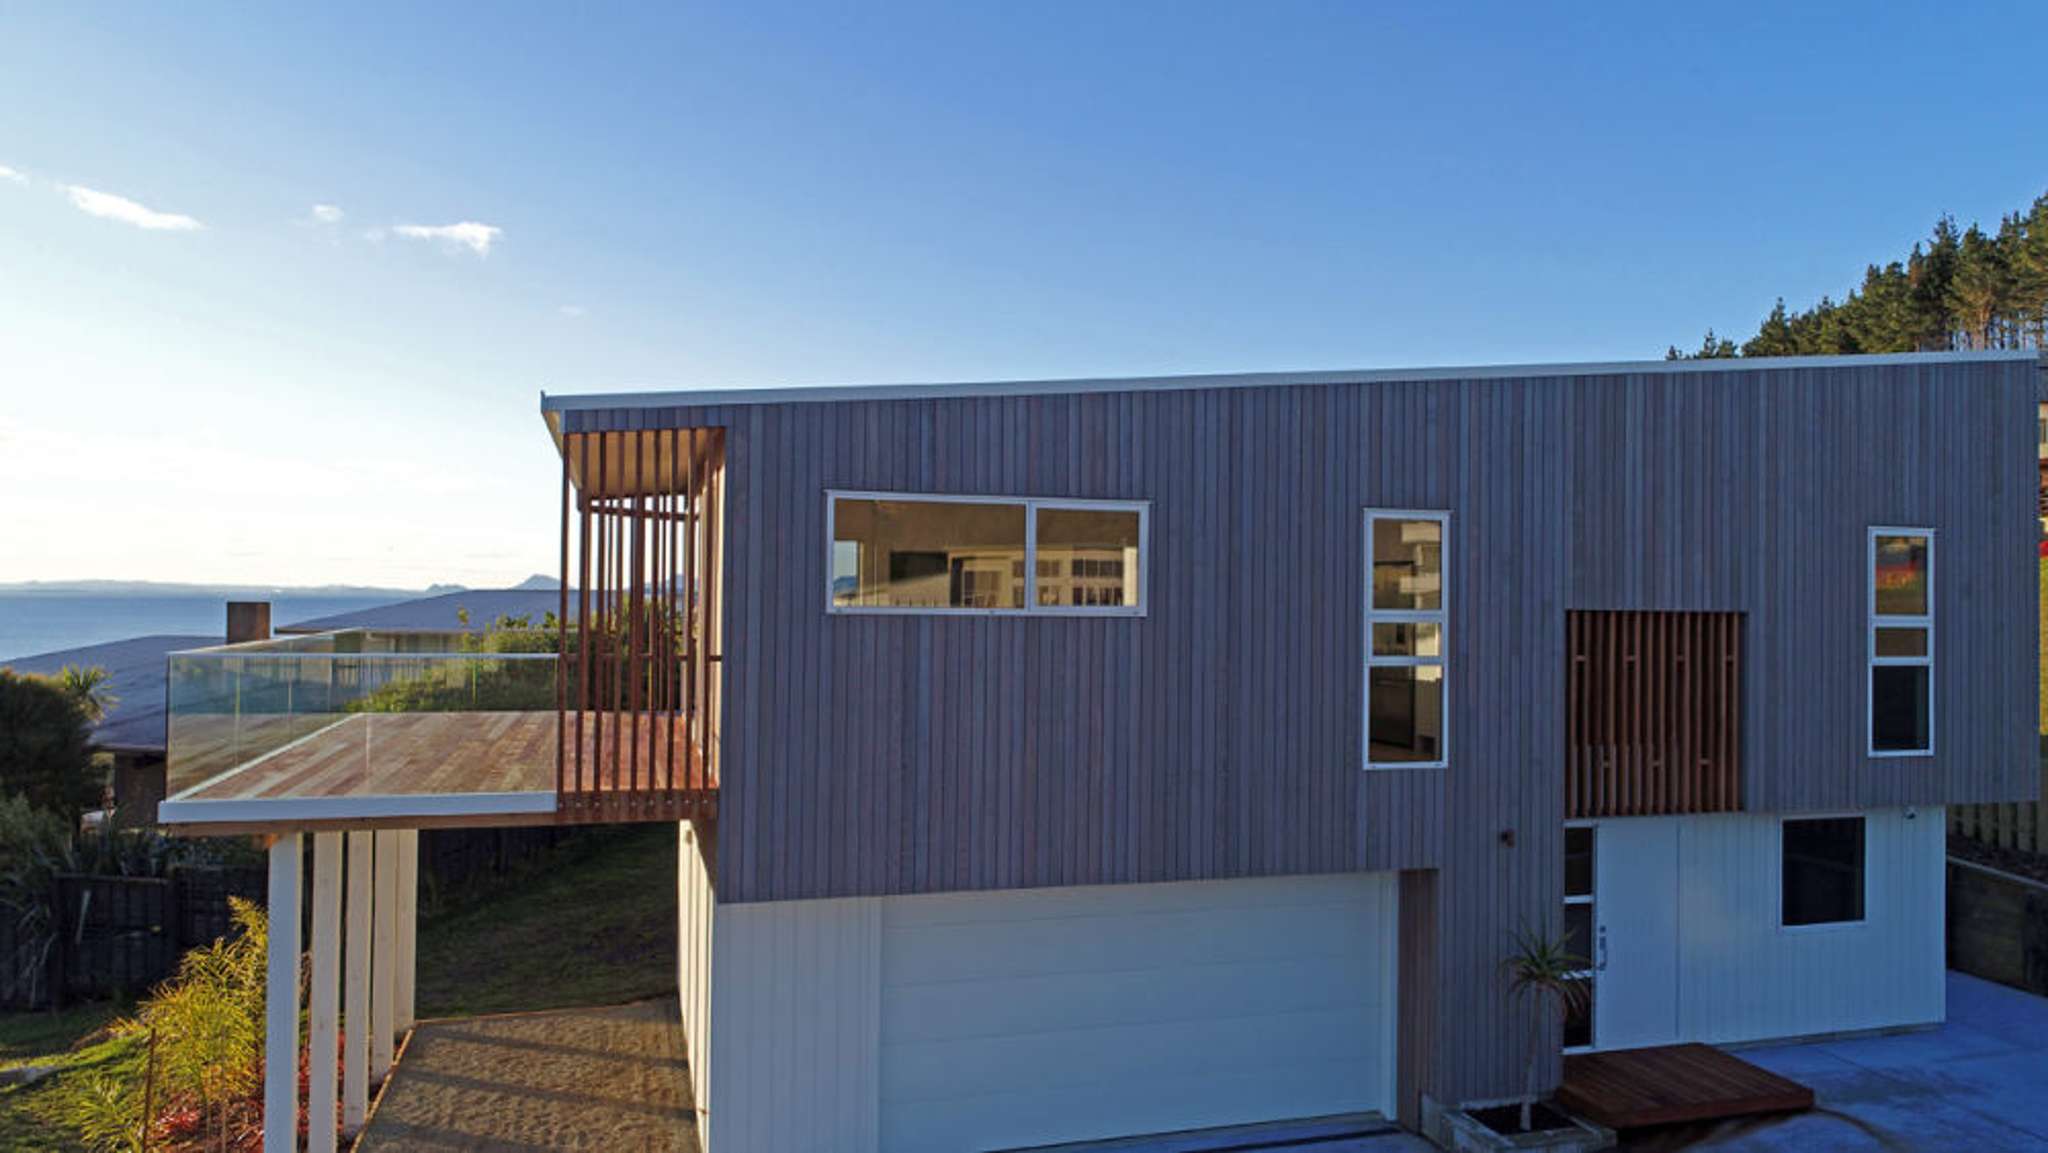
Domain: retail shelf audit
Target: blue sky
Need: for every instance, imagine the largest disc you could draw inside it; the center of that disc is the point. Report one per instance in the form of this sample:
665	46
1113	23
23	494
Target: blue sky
202	379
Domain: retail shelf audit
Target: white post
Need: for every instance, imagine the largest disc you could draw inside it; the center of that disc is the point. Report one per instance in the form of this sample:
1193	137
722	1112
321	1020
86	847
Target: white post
408	922
355	1078
383	953
325	1012
281	1001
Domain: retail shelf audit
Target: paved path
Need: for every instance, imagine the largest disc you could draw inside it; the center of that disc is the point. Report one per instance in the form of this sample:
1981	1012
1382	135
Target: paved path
575	1079
1978	1083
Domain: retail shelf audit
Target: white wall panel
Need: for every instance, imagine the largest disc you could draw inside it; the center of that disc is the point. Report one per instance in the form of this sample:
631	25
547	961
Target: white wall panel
1743	977
695	904
793	1057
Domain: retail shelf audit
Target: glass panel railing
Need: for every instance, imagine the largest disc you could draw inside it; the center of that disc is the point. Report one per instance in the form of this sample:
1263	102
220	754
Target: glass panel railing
363	714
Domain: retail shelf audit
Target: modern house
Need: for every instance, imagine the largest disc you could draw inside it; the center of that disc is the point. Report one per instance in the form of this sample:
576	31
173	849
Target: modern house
1074	759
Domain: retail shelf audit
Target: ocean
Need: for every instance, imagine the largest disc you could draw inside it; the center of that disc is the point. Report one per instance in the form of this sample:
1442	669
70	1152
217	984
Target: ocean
32	623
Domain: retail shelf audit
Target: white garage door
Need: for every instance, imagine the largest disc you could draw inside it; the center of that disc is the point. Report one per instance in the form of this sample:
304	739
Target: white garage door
1035	1016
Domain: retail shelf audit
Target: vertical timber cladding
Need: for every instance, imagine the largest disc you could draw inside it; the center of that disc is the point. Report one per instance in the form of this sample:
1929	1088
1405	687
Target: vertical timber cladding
1653	713
637	683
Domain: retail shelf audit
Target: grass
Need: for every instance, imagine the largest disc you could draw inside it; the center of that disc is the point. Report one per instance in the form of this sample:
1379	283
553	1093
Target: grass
592	923
44	1038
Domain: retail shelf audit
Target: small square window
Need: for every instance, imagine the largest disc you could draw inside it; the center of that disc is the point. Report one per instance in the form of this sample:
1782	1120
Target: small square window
1823	871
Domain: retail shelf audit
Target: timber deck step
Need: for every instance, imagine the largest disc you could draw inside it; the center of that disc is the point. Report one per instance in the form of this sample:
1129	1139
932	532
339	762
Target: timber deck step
1672	1085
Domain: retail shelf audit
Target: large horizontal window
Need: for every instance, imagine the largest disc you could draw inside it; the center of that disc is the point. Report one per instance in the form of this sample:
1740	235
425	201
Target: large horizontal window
1901	641
906	553
1822	871
1406	616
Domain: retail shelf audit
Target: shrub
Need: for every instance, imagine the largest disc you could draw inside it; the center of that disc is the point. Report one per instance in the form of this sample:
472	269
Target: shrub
45	744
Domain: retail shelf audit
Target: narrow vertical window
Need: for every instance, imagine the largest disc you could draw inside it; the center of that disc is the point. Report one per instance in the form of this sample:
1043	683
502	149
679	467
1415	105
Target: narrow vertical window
1901	641
1406	621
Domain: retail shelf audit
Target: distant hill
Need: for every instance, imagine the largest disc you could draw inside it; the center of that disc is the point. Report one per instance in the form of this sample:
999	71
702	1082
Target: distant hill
231	592
538	582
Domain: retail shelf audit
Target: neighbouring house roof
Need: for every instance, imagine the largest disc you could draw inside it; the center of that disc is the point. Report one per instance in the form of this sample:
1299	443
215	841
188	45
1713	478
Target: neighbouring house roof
551	405
439	613
135	674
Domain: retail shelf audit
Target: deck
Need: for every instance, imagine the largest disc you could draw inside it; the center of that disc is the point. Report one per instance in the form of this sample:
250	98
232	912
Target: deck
453	767
1671	1085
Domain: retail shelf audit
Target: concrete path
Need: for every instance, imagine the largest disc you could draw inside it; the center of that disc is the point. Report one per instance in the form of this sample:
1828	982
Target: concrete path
593	1079
1979	1083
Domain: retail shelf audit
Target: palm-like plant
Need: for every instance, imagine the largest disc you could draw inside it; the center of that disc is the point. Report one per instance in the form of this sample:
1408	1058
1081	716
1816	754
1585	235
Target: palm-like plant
89	689
1547	975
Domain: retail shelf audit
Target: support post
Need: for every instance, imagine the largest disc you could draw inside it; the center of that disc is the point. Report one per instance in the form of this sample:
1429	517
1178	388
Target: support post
281	1001
355	1078
383	953
408	924
325	1014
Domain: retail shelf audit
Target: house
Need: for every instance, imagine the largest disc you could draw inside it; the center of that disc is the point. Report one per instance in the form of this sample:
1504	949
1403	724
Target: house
1073	759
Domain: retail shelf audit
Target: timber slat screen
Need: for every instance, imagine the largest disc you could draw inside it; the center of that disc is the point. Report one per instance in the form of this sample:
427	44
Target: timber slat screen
1653	713
638	684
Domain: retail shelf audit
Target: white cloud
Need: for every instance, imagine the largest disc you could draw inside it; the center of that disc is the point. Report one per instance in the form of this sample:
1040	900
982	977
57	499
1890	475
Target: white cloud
108	206
13	174
573	310
478	238
327	213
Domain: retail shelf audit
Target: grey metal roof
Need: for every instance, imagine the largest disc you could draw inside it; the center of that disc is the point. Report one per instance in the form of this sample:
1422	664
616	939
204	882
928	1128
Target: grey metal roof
745	396
135	673
439	612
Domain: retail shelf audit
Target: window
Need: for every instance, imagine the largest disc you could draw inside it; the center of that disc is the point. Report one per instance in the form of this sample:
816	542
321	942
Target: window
902	553
1405	646
1823	871
1901	641
1579	848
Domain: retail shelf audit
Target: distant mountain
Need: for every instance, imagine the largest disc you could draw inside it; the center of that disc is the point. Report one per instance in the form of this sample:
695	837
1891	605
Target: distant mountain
538	582
231	592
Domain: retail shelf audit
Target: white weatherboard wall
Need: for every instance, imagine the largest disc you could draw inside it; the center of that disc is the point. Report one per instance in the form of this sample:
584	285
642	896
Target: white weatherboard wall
1689	907
987	1020
793	1053
695	903
1744	977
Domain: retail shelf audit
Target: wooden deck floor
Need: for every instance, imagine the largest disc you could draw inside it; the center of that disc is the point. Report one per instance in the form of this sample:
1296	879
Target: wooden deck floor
1673	1084
409	754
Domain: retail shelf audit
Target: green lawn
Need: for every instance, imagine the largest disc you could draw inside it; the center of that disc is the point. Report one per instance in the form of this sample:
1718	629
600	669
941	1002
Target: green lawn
43	1038
592	923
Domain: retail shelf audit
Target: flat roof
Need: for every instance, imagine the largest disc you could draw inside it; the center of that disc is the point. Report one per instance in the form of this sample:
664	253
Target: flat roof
692	398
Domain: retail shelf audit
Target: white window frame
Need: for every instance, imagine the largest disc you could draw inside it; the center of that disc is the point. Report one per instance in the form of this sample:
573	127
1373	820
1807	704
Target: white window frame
1778	892
1439	616
1031	506
1893	620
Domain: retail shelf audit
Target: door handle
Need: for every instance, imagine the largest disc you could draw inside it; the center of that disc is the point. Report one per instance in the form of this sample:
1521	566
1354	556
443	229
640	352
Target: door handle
1600	965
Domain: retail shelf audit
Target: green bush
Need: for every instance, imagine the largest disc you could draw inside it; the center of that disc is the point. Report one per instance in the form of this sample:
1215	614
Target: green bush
46	744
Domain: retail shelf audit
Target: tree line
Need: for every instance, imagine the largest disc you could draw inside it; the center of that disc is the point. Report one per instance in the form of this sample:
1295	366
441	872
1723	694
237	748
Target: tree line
1958	289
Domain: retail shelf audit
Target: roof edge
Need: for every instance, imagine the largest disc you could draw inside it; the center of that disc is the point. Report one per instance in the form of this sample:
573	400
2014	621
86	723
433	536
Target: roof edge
698	398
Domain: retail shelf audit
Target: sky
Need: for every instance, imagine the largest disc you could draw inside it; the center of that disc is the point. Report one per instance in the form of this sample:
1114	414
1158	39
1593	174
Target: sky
280	289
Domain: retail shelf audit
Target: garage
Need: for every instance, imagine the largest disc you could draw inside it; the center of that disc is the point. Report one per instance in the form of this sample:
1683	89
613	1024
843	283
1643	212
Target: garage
1033	1016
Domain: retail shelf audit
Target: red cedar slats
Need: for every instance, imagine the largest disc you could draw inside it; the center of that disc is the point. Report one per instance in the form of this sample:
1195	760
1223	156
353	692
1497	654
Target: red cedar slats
1652	713
641	745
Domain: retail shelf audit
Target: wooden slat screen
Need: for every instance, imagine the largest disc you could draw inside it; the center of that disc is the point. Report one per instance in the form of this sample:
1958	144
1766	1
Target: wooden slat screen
637	688
1653	713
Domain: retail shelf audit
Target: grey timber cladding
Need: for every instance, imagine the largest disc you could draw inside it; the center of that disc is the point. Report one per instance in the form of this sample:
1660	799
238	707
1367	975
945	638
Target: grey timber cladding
1219	735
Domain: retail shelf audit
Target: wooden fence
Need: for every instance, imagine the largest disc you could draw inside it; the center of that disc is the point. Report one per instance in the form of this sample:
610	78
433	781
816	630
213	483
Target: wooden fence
2021	825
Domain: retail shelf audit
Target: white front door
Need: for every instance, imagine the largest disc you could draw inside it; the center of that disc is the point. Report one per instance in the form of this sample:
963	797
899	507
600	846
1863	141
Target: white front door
1635	944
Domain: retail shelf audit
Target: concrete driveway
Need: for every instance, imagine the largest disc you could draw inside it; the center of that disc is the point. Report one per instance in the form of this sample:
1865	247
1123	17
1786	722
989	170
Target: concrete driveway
1980	1082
